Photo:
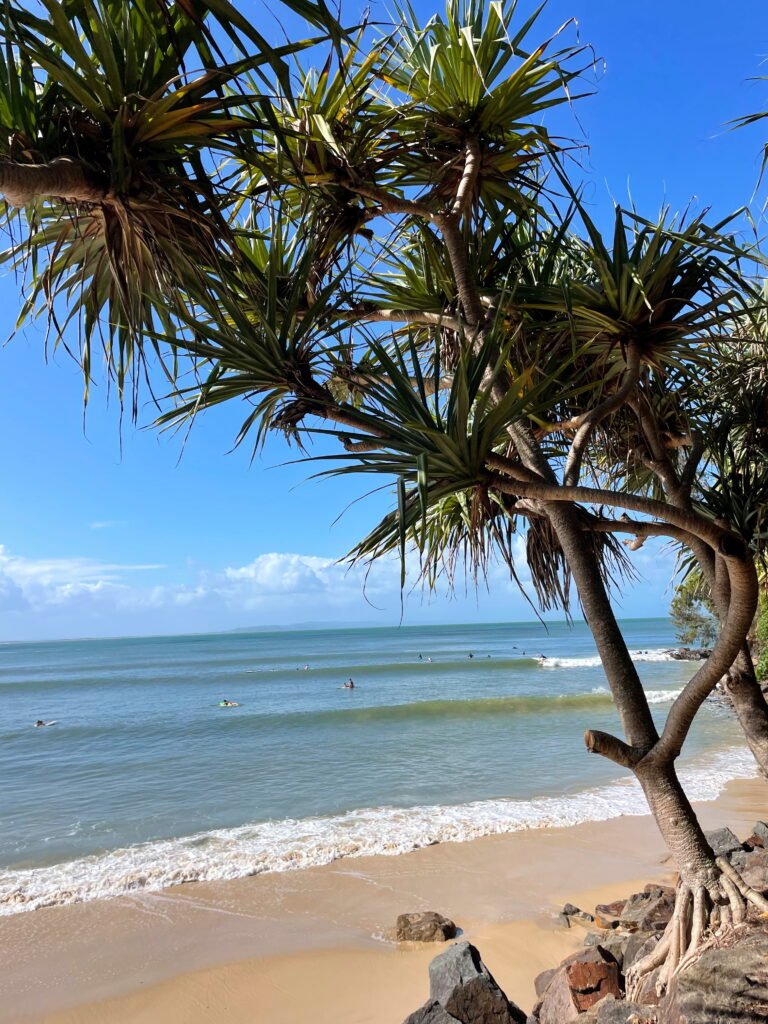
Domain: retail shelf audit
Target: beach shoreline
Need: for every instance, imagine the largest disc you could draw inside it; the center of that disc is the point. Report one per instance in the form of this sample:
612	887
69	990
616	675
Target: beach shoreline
279	946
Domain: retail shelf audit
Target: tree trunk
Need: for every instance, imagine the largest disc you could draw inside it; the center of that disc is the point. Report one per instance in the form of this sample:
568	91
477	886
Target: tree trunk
750	706
711	896
63	179
741	683
678	824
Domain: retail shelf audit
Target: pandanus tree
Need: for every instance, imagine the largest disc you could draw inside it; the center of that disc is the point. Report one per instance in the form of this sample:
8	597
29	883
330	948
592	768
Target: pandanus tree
387	252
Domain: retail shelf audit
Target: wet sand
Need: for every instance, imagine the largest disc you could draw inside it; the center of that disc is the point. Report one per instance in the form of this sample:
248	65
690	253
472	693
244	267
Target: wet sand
309	945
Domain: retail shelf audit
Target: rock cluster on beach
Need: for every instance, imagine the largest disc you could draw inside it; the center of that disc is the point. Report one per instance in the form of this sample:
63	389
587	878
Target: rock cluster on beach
727	985
461	988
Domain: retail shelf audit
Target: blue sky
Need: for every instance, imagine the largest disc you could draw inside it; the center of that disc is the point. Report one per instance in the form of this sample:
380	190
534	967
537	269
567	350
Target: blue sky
103	538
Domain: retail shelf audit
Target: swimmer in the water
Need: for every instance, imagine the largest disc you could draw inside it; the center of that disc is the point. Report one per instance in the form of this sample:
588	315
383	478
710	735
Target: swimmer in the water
350	685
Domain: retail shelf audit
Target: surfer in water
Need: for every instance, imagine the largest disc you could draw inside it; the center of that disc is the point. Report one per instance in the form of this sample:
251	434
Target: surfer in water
350	685
228	703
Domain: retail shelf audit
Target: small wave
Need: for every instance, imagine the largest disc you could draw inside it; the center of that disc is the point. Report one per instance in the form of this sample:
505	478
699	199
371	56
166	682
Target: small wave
309	842
594	662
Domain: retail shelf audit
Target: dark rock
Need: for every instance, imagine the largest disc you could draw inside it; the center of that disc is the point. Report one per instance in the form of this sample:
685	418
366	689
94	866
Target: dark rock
608	915
639	944
569	910
649	910
754	870
613	943
461	983
723	842
690	654
660	890
648	996
430	1013
425	926
761	831
724	986
618	1011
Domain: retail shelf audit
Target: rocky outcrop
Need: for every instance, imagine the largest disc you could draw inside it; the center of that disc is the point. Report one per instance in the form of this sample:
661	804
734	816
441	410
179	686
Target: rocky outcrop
690	653
425	926
728	985
723	842
462	989
581	981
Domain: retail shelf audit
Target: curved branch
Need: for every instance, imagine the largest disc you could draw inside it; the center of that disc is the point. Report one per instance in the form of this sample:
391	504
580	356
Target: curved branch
741	609
389	203
728	544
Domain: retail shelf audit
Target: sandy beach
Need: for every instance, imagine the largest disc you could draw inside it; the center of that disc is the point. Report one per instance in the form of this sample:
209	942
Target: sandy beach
311	944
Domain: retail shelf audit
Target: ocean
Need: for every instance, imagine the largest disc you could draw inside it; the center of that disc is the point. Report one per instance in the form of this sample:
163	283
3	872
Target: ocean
144	781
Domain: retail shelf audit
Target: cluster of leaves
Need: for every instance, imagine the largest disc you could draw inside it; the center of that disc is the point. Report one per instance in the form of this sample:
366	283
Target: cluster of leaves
692	613
281	232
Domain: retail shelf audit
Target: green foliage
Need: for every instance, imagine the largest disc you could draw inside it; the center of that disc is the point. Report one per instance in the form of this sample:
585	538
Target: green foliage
761	639
693	616
385	250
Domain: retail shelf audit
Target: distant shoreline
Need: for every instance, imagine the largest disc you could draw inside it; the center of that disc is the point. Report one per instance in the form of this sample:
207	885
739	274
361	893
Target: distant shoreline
325	628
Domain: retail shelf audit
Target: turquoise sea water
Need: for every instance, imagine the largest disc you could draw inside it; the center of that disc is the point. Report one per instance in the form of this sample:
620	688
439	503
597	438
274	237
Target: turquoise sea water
144	781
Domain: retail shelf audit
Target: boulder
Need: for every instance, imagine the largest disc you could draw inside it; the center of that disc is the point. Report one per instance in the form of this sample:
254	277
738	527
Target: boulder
618	1011
760	831
639	944
430	1013
650	910
724	986
541	981
608	915
723	842
690	653
581	981
613	943
461	983
425	926
754	869
576	914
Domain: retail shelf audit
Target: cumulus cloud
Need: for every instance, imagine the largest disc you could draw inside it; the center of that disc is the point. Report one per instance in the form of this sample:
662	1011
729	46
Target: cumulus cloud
84	596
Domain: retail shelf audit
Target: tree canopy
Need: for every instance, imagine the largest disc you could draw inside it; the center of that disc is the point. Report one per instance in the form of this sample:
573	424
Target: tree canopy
390	249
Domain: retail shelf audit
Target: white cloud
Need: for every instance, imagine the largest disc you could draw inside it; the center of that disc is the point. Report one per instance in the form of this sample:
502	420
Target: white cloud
106	524
83	596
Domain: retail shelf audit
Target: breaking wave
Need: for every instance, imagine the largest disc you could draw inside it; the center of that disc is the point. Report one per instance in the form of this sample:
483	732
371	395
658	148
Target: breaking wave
309	842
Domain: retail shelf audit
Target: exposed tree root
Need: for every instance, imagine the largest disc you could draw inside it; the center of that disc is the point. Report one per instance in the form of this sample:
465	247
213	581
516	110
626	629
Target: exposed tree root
702	915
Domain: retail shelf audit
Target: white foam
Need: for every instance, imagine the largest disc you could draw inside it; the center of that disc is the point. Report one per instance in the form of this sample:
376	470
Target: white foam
292	844
594	661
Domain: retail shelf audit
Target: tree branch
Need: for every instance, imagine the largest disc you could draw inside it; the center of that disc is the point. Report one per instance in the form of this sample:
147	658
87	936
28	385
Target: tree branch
63	179
611	747
466	187
591	419
389	203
